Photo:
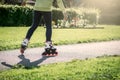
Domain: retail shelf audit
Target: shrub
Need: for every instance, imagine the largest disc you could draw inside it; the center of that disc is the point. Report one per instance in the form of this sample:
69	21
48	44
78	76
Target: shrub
78	17
13	15
57	15
87	13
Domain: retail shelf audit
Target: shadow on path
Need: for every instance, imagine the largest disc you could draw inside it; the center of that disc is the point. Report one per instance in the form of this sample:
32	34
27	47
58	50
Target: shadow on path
26	62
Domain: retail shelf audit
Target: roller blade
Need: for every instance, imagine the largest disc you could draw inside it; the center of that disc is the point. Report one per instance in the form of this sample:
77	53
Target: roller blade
50	53
22	49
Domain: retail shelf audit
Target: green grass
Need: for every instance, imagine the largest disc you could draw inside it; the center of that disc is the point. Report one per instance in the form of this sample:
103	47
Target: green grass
11	37
104	68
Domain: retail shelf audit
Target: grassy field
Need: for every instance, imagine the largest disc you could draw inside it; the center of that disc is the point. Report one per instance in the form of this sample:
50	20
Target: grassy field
104	68
11	37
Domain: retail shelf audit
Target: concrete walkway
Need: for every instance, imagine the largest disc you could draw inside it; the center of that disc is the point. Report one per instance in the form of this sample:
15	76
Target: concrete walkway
32	57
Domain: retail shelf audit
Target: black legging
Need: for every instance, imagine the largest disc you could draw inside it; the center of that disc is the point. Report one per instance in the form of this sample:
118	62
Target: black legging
36	20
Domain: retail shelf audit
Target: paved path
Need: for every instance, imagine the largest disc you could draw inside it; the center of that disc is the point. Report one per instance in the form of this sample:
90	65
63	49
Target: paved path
32	57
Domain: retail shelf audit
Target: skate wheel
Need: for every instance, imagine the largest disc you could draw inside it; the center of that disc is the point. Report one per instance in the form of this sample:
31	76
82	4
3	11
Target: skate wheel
47	55
50	55
44	53
56	54
22	51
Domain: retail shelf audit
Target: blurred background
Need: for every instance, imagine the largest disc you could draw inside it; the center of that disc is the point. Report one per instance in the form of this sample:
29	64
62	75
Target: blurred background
109	9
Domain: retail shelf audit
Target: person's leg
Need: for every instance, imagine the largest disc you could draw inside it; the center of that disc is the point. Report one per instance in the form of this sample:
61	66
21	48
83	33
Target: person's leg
48	21
36	19
49	49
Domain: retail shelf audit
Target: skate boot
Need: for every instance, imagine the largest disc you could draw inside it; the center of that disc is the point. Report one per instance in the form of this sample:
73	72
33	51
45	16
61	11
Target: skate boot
24	45
49	50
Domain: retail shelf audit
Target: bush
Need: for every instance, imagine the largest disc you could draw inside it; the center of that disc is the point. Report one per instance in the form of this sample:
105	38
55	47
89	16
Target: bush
77	17
89	14
15	15
11	15
57	15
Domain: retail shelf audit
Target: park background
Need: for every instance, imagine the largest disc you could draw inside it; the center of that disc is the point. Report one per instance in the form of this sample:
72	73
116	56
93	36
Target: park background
89	21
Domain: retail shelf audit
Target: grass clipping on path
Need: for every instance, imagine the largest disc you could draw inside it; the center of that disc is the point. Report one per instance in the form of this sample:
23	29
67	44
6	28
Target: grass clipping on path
104	68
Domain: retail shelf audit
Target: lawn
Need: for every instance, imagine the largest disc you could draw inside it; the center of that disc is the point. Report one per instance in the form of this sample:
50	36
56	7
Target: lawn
104	68
11	37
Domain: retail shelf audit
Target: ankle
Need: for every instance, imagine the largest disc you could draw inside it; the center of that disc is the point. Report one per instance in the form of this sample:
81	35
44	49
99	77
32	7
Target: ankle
48	44
25	42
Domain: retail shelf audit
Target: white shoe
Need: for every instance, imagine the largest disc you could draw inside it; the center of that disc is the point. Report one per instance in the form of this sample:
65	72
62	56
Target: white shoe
25	42
24	45
49	45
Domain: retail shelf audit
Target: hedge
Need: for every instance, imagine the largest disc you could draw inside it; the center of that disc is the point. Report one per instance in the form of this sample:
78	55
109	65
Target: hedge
13	15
